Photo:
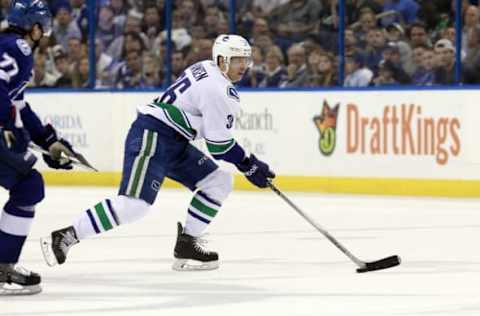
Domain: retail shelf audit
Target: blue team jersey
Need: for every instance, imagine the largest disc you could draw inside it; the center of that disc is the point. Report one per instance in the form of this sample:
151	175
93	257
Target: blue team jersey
16	63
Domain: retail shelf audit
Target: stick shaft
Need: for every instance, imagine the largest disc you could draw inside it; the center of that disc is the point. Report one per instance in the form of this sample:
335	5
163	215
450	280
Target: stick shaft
322	230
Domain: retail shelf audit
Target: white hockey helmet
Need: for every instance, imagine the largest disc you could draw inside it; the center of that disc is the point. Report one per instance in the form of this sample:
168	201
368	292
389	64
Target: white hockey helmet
230	45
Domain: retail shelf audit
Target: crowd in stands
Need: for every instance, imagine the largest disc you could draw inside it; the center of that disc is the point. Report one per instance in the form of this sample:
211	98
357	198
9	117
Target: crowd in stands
295	42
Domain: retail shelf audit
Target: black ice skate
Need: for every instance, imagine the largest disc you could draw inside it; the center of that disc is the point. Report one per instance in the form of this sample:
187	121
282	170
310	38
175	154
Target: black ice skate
56	246
15	280
190	255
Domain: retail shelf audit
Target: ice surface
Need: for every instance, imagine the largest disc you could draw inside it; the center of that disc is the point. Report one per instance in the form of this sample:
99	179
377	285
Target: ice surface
272	261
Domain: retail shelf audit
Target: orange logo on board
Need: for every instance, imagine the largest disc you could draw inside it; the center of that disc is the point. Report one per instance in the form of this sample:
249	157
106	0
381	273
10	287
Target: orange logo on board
326	124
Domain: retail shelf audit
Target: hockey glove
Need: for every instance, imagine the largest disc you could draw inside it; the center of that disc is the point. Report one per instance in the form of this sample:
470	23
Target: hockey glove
55	160
256	171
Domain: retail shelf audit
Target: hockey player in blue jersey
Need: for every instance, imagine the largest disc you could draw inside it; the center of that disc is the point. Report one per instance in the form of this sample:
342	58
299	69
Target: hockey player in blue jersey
28	22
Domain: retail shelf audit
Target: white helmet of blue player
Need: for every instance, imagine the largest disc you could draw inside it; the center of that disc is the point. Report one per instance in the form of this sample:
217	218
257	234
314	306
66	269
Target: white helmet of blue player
230	45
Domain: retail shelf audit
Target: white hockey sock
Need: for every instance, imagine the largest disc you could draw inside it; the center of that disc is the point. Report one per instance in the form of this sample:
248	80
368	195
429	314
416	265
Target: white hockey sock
17	220
201	211
109	214
95	220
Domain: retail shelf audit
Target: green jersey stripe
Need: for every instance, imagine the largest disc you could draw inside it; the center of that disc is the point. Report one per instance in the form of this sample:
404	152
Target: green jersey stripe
177	117
203	208
103	217
218	149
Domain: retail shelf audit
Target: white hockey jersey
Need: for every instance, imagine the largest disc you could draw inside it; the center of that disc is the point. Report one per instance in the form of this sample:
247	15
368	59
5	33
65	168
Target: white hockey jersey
202	103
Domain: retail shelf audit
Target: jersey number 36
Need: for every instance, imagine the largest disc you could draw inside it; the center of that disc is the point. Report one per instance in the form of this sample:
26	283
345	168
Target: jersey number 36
170	95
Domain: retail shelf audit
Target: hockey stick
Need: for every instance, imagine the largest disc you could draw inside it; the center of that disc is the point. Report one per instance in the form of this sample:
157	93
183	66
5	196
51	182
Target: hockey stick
77	159
363	266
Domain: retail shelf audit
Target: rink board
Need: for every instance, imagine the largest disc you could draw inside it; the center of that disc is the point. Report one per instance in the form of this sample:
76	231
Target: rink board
377	142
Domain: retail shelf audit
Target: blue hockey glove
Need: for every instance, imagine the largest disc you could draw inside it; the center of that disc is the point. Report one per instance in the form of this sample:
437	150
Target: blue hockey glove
55	160
256	171
21	162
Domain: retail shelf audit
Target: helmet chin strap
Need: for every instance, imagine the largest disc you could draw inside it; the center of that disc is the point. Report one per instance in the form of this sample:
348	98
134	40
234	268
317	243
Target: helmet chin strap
226	62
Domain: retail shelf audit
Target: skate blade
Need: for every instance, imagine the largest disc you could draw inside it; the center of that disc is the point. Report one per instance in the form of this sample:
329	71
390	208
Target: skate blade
48	255
194	265
16	289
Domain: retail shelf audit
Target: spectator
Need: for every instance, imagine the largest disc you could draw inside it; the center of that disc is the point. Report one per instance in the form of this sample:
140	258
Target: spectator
180	36
75	50
391	53
386	74
418	35
120	11
296	69
64	27
151	23
4	7
212	18
367	22
45	48
201	50
132	41
133	24
471	21
130	74
259	28
396	34
354	9
376	43
222	26
151	71
63	79
80	16
104	66
264	8
274	68
191	13
322	71
350	42
107	31
417	59
178	64
292	21
424	76
263	42
449	33
80	73
41	78
357	75
444	72
407	10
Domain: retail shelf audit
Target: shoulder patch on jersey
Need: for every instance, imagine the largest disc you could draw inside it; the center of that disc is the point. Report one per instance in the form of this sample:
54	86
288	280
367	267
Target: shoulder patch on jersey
24	47
233	93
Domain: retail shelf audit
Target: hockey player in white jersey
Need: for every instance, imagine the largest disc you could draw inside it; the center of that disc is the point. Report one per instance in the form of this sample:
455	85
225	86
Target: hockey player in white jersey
201	103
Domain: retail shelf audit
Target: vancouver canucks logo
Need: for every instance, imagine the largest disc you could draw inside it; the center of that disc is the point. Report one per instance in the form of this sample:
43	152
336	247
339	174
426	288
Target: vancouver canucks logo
326	123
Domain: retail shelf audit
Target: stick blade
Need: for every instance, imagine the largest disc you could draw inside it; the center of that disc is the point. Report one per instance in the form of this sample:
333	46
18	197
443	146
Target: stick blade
84	161
381	264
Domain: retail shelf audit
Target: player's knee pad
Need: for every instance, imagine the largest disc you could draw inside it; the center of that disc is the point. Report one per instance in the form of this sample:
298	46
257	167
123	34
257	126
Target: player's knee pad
28	191
217	185
129	209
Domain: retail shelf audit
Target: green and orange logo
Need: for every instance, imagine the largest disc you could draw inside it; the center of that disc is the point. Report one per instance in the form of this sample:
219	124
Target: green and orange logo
326	124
